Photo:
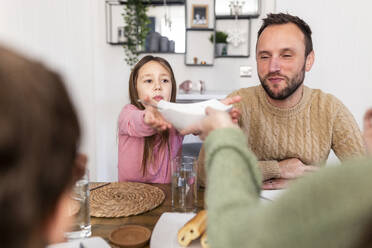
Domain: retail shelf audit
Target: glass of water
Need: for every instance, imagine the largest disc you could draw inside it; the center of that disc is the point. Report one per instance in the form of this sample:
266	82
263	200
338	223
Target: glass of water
184	184
79	210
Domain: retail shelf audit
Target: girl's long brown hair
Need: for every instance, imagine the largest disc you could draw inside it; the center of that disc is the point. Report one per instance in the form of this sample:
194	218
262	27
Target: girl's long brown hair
133	94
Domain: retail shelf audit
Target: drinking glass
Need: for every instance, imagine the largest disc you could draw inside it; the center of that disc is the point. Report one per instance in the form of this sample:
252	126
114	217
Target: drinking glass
184	184
79	210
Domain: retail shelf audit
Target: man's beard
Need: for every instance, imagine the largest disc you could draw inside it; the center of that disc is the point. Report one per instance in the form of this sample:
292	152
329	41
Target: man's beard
292	84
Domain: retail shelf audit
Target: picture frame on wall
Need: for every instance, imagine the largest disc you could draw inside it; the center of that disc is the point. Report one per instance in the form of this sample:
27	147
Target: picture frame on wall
199	17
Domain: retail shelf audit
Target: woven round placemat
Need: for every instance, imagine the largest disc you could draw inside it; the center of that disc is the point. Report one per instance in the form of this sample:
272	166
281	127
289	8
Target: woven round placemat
94	185
124	199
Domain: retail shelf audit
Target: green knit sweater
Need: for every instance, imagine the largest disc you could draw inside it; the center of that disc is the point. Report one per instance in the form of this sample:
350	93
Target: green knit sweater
307	131
329	208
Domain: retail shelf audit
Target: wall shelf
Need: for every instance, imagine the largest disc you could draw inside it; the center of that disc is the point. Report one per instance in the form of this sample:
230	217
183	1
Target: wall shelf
115	23
199	64
232	56
227	17
199	29
160	53
157	2
196	42
241	28
248	9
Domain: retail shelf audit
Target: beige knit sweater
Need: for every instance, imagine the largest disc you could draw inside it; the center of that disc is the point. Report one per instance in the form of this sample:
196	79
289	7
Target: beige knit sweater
307	131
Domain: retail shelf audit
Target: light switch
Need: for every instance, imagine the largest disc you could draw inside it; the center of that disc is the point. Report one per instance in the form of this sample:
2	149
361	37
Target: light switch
245	71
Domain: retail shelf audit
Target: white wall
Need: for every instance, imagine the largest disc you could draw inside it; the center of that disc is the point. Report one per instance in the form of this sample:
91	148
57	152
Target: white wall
60	33
70	36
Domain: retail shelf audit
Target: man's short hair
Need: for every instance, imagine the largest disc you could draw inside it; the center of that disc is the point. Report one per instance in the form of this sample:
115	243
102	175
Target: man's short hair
281	18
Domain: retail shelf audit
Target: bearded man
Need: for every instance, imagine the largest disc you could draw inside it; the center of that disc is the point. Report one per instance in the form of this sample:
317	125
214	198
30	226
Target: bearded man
290	127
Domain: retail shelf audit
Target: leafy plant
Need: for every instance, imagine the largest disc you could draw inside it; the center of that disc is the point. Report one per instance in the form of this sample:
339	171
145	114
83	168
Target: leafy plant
136	28
221	37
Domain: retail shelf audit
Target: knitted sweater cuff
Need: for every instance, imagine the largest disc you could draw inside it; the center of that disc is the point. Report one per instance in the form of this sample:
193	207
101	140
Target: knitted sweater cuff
269	169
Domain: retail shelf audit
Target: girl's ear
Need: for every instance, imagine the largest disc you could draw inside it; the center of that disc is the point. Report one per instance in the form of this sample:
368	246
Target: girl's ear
309	61
59	221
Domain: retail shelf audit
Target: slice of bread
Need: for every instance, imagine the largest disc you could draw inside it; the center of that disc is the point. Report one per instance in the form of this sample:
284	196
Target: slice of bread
204	241
193	229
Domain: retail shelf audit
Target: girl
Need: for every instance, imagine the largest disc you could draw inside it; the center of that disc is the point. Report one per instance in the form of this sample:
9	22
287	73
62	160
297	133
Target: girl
147	143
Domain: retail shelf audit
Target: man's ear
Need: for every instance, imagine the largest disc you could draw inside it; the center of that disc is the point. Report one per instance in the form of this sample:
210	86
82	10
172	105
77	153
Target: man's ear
309	61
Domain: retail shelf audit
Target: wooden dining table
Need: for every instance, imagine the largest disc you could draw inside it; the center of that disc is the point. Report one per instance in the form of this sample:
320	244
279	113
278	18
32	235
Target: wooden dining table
102	227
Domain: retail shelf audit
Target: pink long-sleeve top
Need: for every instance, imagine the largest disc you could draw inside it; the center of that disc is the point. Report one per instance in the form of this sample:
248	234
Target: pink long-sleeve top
132	132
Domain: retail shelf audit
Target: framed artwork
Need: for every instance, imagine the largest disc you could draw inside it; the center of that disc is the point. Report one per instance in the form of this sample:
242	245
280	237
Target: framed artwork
199	17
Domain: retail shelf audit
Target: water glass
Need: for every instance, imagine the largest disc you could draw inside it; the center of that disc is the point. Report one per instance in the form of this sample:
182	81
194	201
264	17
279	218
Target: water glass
79	210
184	184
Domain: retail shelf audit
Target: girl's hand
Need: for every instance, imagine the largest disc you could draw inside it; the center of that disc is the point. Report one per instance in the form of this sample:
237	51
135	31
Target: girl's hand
154	119
367	134
215	119
234	112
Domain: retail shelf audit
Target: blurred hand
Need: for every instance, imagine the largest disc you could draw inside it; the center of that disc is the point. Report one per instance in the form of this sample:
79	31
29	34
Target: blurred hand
80	166
215	119
272	184
234	112
367	134
293	168
153	118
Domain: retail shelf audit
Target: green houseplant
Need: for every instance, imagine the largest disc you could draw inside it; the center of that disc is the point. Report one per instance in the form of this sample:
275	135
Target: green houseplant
221	43
136	28
221	37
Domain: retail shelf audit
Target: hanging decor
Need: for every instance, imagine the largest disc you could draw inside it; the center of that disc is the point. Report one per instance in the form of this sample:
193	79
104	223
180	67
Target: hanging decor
167	16
135	29
236	35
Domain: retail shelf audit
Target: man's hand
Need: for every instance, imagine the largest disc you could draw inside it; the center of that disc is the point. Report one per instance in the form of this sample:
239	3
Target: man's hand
234	112
154	119
215	119
367	134
279	183
293	168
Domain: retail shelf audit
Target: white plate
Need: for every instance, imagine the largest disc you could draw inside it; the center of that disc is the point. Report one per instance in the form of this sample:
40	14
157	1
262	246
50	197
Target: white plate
93	242
182	115
272	194
166	229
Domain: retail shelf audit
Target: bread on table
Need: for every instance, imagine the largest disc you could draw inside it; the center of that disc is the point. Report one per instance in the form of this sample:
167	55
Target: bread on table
204	241
193	229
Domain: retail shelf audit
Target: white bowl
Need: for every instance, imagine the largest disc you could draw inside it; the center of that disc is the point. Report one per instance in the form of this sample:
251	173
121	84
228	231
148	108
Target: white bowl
182	115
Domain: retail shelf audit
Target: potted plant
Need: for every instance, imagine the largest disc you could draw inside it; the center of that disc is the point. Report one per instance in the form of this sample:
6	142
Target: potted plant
221	43
136	29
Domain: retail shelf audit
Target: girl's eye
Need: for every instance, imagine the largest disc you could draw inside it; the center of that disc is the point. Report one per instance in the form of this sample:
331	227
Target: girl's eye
148	81
165	81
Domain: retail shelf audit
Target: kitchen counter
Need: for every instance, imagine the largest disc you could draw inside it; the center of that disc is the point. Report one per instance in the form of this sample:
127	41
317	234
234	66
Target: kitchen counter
195	96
